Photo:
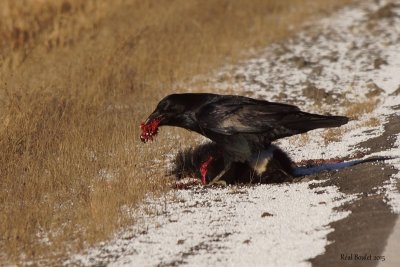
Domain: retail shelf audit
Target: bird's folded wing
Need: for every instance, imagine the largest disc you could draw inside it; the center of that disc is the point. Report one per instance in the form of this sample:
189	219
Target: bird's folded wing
249	116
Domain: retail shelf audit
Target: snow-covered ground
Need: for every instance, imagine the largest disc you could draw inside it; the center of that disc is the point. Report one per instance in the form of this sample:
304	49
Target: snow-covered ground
350	58
236	226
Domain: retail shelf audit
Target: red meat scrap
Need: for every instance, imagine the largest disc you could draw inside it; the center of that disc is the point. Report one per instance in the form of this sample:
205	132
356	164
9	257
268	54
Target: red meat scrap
149	130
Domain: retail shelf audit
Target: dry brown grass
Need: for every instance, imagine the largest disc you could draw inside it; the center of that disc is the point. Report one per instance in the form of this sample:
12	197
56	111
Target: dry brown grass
357	109
332	135
77	76
354	110
299	140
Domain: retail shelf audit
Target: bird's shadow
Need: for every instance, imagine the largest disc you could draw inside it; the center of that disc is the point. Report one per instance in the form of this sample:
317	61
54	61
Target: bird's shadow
281	168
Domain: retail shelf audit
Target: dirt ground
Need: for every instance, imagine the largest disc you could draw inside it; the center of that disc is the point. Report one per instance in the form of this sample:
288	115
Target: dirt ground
367	228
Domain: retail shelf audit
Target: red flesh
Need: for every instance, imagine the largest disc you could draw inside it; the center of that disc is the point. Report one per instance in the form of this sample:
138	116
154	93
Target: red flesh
204	169
149	130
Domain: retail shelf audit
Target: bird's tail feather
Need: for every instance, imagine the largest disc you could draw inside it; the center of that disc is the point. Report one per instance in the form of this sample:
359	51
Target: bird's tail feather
308	122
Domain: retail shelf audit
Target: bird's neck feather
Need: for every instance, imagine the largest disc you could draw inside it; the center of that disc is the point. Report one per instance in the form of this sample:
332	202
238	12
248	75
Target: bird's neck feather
185	121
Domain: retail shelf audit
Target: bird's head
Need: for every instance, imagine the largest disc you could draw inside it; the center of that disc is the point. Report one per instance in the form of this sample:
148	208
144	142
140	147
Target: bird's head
172	110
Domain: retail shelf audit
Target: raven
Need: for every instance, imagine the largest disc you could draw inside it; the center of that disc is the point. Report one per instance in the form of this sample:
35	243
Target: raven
242	127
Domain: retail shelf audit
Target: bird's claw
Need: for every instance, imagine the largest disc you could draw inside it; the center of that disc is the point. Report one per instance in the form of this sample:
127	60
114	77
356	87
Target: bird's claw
217	183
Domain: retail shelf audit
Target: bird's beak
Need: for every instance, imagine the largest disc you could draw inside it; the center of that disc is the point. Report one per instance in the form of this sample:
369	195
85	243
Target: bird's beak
154	115
150	126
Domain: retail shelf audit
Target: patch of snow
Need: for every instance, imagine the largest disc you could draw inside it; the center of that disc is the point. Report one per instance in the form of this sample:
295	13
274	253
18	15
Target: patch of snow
232	226
107	175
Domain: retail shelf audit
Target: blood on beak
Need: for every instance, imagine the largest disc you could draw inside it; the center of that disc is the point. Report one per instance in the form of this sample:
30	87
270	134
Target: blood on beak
149	129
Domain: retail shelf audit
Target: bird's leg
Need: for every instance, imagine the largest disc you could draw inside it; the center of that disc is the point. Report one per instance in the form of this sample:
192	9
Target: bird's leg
204	169
216	180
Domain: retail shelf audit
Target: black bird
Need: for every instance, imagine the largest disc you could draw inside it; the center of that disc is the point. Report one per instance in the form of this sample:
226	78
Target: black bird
242	127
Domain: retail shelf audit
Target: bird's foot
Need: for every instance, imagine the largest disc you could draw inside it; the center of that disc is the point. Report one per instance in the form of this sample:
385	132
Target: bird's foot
217	180
204	169
217	183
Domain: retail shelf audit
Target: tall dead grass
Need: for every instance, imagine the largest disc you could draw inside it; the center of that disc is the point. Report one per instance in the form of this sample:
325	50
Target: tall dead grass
77	77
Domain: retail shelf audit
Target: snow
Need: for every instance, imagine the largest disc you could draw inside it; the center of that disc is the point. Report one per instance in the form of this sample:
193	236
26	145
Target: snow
287	224
232	226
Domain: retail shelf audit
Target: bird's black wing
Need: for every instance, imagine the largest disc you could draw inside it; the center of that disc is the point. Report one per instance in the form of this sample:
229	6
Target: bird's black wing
234	115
